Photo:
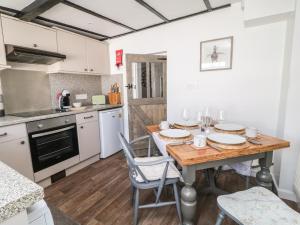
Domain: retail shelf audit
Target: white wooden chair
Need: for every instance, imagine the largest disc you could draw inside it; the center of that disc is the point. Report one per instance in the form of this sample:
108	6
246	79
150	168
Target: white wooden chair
256	206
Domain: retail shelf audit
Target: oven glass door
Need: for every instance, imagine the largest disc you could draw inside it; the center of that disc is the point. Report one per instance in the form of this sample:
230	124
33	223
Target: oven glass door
53	146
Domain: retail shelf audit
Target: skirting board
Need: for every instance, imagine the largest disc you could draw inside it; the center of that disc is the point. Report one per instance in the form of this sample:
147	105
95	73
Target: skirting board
286	194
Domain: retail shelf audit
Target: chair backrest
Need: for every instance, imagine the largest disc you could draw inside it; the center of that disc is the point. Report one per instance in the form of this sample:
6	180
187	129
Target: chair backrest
129	154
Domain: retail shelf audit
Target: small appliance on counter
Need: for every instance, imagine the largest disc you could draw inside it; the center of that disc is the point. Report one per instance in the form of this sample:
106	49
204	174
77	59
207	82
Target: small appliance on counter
98	100
114	96
64	100
2	112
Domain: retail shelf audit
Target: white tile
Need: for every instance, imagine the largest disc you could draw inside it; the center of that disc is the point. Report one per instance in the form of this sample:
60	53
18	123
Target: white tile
177	8
15	4
128	12
77	18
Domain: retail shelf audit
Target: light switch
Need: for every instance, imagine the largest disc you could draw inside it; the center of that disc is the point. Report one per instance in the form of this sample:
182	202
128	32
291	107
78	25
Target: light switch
81	97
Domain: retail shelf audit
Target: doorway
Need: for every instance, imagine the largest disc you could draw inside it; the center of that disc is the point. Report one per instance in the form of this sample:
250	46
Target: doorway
147	93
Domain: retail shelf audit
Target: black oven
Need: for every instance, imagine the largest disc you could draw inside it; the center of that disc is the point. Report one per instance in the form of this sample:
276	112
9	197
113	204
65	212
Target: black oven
52	141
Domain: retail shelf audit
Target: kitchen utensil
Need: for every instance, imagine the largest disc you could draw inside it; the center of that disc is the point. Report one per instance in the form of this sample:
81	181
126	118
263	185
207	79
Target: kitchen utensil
77	104
187	123
226	139
229	127
175	133
251	132
64	100
98	100
164	125
200	140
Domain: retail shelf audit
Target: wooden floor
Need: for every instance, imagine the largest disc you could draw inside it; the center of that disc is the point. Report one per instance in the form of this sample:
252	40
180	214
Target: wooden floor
100	195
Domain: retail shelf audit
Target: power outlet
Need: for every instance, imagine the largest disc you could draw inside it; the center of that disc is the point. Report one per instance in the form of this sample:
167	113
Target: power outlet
81	97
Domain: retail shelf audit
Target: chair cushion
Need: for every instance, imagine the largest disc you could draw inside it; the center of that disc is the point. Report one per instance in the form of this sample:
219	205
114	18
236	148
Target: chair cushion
258	206
155	172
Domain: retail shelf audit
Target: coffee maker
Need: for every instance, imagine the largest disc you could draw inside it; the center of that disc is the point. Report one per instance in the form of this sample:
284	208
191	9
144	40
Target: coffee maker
64	101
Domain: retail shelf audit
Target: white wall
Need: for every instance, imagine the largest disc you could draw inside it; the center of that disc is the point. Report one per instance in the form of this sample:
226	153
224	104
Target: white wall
291	125
250	93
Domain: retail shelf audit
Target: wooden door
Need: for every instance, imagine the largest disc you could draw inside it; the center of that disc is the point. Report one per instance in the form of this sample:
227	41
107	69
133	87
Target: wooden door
97	57
73	46
146	89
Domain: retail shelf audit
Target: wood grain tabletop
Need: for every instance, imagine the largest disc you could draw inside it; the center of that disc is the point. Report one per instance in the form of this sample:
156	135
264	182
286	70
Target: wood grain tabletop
186	155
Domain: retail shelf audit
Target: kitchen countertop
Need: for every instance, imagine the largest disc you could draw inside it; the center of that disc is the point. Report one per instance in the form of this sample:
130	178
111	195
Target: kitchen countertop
12	120
16	192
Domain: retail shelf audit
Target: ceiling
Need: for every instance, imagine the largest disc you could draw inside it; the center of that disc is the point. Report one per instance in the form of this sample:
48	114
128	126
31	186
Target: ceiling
103	19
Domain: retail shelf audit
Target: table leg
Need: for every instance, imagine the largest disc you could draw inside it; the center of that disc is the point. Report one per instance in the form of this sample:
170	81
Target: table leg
188	196
264	177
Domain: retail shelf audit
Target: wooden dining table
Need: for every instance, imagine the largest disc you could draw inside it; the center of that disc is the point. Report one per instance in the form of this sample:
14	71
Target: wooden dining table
191	160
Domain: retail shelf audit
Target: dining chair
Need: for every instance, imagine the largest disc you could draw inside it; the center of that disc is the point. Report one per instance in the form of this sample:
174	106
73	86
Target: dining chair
256	206
151	172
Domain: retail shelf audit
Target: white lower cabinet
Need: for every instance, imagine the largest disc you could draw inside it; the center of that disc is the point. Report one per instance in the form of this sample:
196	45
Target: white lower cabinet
15	150
88	135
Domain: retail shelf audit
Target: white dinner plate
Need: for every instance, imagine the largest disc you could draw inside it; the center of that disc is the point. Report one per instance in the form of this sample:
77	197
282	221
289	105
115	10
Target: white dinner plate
229	127
187	123
227	139
175	133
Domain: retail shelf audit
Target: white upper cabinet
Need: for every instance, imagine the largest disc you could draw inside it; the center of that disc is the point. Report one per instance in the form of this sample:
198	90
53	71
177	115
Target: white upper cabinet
97	57
73	46
24	34
84	55
3	63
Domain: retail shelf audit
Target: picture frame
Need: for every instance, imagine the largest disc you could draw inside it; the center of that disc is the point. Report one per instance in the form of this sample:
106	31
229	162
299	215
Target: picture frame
216	54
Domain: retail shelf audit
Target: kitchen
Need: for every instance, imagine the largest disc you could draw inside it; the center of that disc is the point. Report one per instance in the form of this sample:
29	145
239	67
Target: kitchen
81	81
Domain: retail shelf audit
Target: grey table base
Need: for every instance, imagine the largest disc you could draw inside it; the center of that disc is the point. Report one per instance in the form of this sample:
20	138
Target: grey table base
189	194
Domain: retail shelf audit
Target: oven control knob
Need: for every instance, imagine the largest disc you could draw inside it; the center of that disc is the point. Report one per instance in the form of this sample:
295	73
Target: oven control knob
40	125
67	121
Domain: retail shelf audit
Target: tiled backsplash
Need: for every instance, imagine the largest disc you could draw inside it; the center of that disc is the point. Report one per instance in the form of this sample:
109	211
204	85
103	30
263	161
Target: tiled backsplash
30	91
76	84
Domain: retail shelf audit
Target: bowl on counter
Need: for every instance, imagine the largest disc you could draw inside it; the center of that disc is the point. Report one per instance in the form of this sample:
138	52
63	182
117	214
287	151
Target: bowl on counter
77	104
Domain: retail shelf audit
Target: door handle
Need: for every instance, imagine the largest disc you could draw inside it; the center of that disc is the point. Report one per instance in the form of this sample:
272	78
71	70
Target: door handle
129	86
88	117
3	135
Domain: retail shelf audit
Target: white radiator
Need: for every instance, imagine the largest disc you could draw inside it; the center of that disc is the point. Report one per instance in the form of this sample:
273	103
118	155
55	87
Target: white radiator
297	181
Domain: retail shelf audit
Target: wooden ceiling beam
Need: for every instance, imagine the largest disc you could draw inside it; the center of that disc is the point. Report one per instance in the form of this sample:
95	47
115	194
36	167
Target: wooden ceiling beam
151	9
36	8
78	7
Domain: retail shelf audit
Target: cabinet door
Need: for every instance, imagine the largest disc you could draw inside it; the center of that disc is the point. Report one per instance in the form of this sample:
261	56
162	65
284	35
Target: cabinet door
2	49
97	57
24	34
73	46
88	140
16	154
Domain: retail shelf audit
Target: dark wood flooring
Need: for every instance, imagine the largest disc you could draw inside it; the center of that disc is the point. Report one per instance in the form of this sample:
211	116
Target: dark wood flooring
100	194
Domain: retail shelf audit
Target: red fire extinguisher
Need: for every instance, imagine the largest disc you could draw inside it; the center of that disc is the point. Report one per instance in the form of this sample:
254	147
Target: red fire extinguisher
119	57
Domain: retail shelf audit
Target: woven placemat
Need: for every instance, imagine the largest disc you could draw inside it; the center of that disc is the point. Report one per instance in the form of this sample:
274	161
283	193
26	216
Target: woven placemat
227	147
239	132
176	139
185	127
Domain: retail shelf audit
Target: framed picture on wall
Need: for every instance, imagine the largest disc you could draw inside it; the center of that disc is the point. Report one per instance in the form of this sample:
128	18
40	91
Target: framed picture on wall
216	54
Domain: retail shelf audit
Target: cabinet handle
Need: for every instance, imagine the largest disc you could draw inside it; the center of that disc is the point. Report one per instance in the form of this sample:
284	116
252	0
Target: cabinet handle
3	135
92	70
81	127
88	117
22	142
85	69
35	45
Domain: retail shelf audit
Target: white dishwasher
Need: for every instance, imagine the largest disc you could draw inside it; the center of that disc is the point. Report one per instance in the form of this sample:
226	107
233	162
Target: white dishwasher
111	123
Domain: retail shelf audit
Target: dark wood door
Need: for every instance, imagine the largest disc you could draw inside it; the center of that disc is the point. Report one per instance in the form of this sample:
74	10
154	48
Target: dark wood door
146	89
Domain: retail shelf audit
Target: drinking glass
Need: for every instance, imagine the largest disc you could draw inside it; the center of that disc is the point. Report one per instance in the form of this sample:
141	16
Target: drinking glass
221	116
185	114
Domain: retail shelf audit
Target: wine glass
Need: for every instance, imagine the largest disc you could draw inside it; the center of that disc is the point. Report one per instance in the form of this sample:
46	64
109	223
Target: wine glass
221	116
185	114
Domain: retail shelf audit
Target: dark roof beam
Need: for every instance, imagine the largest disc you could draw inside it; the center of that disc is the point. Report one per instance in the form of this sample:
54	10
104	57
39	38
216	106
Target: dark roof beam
78	7
151	9
36	8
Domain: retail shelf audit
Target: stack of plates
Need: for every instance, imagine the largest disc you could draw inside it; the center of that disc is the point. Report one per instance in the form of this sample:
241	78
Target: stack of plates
186	124
230	128
225	141
175	134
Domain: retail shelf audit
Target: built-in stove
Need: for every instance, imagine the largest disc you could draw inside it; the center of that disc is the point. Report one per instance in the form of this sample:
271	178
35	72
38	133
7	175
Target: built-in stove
38	113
